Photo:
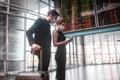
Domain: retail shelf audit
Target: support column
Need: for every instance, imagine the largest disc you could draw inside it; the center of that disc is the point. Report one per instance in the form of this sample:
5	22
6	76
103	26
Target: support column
83	51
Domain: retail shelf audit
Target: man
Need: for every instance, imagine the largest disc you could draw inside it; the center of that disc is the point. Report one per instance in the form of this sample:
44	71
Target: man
42	38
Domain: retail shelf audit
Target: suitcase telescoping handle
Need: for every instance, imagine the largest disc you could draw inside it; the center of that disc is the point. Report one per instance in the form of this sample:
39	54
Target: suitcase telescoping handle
40	52
40	59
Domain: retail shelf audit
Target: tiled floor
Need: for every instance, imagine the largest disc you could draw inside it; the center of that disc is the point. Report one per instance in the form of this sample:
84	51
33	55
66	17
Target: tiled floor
92	72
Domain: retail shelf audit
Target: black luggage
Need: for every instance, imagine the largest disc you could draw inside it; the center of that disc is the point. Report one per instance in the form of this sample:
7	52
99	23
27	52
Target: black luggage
33	75
29	76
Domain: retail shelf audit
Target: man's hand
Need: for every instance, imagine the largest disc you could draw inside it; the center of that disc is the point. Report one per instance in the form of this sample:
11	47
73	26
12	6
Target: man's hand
36	47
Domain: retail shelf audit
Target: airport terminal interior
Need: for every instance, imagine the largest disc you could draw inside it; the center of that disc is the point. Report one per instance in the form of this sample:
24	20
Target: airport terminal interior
94	53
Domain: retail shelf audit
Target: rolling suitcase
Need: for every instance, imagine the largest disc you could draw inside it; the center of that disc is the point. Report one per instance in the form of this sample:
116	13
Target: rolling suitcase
32	75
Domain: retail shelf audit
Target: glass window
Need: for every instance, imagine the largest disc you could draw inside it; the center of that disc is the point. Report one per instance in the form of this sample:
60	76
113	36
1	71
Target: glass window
15	65
89	46
18	2
118	57
29	61
46	1
106	58
90	59
4	0
71	54
32	5
2	43
17	11
44	8
104	43
79	45
108	12
111	43
2	20
52	62
3	7
97	49
105	46
51	3
117	45
80	15
97	44
29	23
98	59
16	44
16	22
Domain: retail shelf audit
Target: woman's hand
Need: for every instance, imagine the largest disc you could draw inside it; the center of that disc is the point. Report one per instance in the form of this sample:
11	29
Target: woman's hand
69	39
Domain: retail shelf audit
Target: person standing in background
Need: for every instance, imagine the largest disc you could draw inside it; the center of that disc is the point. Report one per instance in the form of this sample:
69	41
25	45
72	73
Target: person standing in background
60	41
42	38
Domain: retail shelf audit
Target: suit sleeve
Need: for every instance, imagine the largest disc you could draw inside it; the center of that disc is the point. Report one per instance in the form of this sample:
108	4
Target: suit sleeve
33	30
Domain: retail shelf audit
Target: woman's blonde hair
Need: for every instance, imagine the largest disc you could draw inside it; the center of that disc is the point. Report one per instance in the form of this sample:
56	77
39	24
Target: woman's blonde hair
60	21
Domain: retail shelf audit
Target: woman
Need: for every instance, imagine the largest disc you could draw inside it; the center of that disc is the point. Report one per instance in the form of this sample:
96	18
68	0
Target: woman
59	40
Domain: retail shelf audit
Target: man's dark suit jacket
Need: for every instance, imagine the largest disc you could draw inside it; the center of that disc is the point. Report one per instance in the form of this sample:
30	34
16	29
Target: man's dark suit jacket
39	33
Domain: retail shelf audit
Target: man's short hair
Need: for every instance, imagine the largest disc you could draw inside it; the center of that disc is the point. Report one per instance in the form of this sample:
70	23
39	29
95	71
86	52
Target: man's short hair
53	13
